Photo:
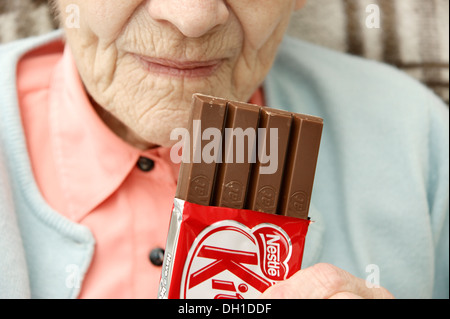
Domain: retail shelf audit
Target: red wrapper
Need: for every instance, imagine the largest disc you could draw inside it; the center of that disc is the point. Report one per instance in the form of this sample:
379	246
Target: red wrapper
225	253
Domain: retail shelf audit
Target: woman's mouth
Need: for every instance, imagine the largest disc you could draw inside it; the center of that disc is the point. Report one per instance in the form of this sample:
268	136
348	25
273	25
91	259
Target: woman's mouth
185	69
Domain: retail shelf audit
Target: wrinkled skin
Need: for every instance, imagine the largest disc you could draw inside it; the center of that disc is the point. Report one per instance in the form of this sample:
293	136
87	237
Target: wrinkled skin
111	39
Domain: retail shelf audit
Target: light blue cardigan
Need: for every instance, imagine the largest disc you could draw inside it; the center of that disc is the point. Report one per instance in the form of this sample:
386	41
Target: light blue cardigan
381	194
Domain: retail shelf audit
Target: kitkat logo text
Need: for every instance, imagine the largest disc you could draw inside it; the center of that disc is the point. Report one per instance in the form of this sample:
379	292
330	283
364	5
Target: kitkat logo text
228	260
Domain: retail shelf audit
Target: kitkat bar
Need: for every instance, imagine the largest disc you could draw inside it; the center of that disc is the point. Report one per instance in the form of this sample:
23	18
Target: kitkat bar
196	177
238	227
239	151
236	179
296	189
266	178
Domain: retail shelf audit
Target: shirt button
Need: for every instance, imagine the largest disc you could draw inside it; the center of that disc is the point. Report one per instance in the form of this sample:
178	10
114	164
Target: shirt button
145	164
157	256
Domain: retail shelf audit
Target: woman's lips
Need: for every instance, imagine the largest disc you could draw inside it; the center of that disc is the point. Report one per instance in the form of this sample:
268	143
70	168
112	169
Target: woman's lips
187	69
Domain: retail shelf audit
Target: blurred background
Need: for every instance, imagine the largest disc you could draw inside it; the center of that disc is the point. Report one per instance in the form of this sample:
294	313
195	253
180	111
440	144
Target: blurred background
412	35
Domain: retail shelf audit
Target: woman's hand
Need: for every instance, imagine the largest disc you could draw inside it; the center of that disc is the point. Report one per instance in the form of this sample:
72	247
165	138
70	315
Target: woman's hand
324	281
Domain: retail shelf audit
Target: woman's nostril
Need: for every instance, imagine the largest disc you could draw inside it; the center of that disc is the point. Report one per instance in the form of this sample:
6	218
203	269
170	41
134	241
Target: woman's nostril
193	18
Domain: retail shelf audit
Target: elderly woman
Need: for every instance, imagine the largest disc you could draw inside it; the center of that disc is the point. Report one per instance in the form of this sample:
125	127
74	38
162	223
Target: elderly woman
87	184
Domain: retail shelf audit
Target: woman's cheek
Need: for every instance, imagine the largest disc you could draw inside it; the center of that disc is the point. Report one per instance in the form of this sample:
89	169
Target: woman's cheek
258	34
98	17
260	19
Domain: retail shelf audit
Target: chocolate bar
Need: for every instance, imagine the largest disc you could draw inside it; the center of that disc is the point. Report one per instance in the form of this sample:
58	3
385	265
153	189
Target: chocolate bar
239	152
196	177
264	188
241	177
228	238
300	167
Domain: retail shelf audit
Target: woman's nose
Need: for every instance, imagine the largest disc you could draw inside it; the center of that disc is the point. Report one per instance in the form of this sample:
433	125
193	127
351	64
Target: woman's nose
193	18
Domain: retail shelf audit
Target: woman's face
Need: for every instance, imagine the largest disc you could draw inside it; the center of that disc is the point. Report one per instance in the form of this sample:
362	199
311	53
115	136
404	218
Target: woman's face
142	60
